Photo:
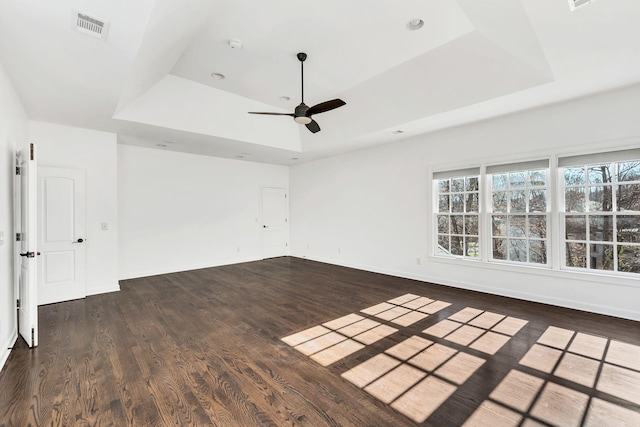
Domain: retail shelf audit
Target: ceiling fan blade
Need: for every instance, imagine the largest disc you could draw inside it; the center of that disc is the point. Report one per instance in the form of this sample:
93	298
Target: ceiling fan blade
325	106
273	114
313	126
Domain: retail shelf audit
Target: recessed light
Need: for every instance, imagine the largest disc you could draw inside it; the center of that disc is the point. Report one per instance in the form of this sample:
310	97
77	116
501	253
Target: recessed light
415	24
218	76
295	158
284	98
239	156
397	132
161	145
235	44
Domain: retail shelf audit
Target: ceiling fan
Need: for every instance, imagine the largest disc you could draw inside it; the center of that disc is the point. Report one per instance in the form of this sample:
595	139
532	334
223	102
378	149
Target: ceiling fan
302	114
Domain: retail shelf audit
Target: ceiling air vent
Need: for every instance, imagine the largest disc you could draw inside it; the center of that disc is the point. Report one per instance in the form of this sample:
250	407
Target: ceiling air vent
92	26
574	4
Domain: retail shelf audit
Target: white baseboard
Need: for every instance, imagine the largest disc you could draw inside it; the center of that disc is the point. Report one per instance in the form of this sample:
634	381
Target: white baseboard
103	290
148	273
5	350
544	299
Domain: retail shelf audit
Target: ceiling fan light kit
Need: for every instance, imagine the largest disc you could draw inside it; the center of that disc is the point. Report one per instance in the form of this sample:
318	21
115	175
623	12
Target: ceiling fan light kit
302	113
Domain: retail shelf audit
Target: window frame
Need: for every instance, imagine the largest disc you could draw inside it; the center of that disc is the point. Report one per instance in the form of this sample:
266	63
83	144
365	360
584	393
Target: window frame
514	168
615	243
465	175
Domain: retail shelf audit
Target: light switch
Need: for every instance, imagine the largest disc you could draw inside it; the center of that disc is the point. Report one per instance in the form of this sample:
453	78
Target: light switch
104	226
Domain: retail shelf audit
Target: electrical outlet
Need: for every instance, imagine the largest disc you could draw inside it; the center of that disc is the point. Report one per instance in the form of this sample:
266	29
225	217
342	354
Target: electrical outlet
104	226
418	261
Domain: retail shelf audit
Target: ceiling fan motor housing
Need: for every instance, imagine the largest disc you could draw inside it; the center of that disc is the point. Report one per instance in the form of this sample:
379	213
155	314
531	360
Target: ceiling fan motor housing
301	110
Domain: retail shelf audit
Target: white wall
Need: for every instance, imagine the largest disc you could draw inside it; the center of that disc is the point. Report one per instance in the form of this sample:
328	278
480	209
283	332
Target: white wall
182	211
13	136
95	153
371	209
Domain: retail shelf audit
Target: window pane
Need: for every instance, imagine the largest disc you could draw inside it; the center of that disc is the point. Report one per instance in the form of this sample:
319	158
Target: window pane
457	184
601	257
574	200
629	259
574	176
457	224
575	227
517	179
443	245
472	202
443	224
538	178
499	225
518	250
500	201
443	185
538	226
601	228
628	229
471	225
499	248
517	226
518	201
600	199
577	255
499	181
628	197
471	248
537	201
538	251
457	203
472	184
457	245
599	174
629	171
443	203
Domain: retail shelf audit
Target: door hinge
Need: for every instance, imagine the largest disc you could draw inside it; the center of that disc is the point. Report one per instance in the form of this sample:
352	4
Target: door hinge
18	237
17	303
32	151
33	339
17	170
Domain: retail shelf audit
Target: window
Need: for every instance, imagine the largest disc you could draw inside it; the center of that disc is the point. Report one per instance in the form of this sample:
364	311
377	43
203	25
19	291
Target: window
457	217
519	212
502	213
602	214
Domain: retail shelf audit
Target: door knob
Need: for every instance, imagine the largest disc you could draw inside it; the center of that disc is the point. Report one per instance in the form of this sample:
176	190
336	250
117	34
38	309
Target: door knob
29	254
264	226
79	241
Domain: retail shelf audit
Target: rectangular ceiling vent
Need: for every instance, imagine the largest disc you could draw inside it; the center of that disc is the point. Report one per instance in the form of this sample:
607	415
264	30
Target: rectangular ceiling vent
574	4
92	26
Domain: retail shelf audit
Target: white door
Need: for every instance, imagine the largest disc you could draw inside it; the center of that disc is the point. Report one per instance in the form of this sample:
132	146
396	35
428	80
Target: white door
275	222
27	283
61	237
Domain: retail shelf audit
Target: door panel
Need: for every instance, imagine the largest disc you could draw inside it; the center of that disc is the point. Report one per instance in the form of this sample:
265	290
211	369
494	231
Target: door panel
62	237
28	311
275	223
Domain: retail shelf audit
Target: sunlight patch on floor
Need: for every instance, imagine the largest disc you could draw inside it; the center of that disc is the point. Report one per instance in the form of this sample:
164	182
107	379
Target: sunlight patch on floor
417	375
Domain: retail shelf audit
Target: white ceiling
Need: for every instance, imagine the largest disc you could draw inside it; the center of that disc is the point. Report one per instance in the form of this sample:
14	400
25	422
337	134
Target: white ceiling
150	81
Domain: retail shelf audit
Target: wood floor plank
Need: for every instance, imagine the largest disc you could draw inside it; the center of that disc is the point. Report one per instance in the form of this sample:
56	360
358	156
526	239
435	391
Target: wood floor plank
205	348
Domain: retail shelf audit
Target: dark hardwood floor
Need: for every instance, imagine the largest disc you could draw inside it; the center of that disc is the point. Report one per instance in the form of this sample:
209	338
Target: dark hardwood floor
205	348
